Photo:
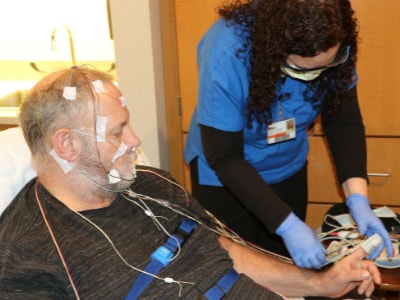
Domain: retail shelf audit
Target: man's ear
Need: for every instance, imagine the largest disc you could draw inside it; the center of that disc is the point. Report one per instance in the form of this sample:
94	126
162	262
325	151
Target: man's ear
65	144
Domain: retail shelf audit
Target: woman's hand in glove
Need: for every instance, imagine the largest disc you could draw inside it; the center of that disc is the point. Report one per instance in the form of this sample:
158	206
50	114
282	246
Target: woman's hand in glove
368	223
302	243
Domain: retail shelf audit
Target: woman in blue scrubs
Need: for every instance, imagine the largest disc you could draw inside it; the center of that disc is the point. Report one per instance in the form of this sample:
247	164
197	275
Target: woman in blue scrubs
267	70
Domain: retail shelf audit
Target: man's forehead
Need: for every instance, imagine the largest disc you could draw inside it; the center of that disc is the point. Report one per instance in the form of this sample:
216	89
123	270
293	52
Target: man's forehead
111	105
109	92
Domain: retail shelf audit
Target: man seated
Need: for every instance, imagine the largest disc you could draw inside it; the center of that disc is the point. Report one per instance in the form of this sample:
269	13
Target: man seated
92	226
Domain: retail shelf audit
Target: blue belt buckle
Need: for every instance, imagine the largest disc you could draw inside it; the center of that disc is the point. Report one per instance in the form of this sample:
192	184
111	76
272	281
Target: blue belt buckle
163	255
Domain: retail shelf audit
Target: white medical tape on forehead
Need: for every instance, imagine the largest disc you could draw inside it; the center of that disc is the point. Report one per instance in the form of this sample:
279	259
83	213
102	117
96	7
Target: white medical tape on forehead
98	86
101	125
120	151
64	164
69	92
122	101
113	176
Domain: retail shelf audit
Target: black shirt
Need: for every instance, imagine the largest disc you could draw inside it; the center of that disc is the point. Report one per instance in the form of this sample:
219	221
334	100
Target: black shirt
31	268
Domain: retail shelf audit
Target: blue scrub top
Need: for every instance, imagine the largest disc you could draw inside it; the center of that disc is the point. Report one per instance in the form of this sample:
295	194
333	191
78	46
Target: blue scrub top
223	91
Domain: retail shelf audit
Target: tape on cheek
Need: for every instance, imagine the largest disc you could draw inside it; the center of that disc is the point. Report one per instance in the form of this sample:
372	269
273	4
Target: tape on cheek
64	164
113	176
101	125
121	151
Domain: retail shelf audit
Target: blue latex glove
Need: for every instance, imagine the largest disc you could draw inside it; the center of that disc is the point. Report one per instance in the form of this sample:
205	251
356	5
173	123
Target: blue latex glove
368	223
302	243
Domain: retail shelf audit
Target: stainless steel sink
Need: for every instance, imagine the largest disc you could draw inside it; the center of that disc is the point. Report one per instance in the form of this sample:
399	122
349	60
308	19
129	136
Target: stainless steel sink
12	99
9	107
9	115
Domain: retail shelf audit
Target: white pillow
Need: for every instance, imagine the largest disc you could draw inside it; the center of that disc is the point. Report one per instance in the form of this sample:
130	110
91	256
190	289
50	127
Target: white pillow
15	165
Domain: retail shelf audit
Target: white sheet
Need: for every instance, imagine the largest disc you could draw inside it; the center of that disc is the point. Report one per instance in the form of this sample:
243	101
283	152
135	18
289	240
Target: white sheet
15	165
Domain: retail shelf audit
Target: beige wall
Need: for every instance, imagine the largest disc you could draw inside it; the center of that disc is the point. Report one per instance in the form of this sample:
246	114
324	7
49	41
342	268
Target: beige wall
136	33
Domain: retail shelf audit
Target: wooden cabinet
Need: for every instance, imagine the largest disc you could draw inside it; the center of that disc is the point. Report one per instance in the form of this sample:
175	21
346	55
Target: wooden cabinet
383	175
6	126
183	23
383	172
379	93
379	65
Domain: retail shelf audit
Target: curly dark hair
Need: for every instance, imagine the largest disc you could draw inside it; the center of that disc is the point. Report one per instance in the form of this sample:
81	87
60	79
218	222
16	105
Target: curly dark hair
277	28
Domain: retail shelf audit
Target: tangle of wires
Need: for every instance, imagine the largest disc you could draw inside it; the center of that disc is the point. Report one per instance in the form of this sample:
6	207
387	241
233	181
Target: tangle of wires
211	223
340	241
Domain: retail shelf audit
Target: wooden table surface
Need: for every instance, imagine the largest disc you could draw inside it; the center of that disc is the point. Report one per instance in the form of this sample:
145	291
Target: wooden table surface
390	279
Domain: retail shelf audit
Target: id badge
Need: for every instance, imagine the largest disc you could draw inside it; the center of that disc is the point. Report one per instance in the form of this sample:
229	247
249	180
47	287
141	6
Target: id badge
281	131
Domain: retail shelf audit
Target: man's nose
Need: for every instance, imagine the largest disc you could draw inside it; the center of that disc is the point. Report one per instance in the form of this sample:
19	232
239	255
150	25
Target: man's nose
131	139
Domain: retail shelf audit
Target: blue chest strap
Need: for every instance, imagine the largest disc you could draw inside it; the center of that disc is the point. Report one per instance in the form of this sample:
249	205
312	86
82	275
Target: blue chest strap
161	258
222	287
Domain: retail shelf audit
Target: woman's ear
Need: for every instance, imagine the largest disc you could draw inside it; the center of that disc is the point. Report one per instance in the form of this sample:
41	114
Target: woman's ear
65	144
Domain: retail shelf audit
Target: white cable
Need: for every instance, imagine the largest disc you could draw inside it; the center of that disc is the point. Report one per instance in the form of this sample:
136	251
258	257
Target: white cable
166	279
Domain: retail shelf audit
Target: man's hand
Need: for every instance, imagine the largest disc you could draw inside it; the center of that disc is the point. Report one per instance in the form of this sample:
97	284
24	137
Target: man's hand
287	279
351	272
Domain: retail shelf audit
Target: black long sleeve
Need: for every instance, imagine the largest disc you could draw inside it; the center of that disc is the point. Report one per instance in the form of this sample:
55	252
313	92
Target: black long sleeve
224	152
346	138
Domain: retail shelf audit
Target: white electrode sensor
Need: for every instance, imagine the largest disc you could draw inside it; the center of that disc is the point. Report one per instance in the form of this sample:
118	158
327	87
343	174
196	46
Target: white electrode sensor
371	243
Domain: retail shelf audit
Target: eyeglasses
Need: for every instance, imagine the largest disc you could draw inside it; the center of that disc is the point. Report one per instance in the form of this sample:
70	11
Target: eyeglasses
343	55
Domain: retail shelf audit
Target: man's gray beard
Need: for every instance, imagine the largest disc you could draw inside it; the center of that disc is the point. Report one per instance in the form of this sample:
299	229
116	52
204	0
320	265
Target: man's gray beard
122	185
90	167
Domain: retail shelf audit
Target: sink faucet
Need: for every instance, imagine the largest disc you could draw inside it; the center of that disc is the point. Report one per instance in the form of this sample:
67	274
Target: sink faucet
71	41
